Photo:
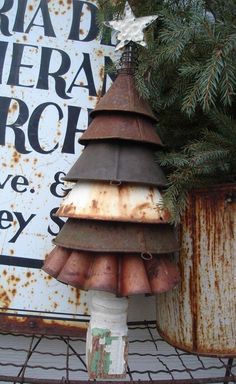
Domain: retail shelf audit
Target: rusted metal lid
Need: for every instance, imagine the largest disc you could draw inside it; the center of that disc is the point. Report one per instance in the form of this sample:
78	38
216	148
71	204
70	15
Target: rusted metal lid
123	96
106	201
116	162
122	126
120	274
105	236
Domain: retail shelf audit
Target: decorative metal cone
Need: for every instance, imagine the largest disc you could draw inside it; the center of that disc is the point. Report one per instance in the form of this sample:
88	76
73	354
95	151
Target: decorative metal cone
105	236
123	96
55	260
109	202
122	275
124	126
118	162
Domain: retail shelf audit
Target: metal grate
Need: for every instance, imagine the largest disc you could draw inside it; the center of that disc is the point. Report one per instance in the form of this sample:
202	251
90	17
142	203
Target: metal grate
56	359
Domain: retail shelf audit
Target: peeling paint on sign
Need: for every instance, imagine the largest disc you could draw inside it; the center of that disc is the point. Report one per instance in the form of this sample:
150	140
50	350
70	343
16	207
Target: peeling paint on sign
51	75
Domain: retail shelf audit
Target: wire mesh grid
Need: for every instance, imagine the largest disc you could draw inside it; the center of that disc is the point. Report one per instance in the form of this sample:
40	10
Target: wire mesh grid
57	359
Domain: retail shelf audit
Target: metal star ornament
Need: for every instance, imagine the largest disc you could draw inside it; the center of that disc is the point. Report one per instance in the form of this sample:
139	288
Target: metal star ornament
130	28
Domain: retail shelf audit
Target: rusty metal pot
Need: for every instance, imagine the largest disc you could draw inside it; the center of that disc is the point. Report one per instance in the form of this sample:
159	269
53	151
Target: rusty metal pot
121	274
105	236
116	162
199	316
105	201
121	126
123	96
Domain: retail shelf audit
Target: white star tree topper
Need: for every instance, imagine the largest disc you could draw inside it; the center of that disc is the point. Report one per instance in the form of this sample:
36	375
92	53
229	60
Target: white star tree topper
130	28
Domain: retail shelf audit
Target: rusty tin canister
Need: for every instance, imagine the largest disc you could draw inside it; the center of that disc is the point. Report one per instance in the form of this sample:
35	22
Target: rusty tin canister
116	162
123	126
200	315
120	274
105	236
106	201
123	96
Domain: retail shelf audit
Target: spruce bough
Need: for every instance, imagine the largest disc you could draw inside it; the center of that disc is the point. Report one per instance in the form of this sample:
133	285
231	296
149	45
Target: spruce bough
188	75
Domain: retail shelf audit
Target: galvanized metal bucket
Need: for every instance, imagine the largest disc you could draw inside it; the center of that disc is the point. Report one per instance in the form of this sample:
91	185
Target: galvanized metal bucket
105	236
116	162
123	96
105	201
200	316
123	126
121	274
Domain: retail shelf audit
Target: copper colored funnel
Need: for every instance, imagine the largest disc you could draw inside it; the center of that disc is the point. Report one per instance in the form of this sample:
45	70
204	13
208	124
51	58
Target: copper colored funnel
121	274
123	96
121	126
75	270
133	278
163	273
116	162
104	273
105	236
56	260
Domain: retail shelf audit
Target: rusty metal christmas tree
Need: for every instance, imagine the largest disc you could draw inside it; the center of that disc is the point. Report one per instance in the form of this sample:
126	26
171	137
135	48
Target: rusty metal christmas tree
117	240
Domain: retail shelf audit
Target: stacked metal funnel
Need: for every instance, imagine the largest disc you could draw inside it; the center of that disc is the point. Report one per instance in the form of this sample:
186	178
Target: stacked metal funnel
117	237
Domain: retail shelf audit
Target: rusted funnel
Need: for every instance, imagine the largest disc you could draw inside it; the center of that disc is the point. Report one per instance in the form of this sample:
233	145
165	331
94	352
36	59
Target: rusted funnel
75	270
103	273
55	260
163	273
123	96
116	162
156	275
105	201
121	274
121	126
105	236
133	278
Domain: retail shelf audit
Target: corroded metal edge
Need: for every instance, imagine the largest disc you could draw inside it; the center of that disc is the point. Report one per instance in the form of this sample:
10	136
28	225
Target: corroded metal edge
42	326
123	96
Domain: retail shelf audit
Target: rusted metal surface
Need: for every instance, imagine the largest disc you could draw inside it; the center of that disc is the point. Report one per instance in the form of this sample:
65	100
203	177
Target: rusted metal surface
33	324
159	274
103	236
53	265
123	96
121	274
23	310
124	126
105	201
116	162
41	121
200	315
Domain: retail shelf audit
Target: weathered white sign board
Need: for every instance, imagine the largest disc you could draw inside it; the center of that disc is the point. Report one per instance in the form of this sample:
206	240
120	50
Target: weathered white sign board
51	74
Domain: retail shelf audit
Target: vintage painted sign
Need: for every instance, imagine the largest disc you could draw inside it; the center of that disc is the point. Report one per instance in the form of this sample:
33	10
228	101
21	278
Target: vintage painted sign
52	62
